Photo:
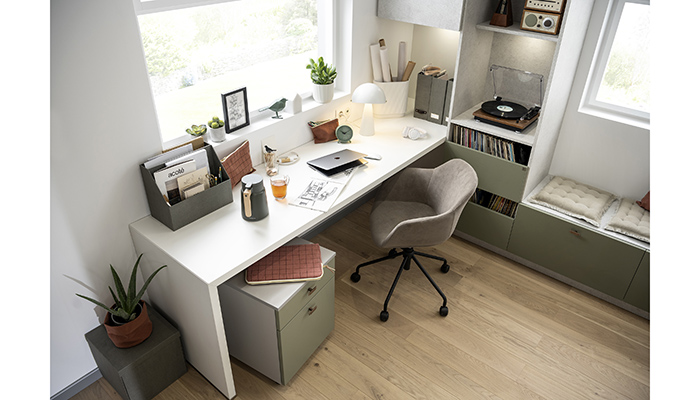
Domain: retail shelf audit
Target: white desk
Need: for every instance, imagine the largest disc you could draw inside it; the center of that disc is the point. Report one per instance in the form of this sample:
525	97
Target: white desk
211	250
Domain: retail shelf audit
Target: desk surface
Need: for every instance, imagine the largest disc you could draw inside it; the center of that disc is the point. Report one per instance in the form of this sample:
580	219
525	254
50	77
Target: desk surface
222	244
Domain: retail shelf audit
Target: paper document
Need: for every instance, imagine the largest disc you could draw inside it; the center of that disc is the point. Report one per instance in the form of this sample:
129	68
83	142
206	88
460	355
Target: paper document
321	192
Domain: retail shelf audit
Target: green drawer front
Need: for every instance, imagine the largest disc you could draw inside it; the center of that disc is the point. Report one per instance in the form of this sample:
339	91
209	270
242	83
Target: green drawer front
311	289
306	331
638	293
496	175
484	224
583	255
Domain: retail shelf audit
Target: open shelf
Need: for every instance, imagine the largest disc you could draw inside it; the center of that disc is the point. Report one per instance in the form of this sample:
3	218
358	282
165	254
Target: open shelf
466	119
515	30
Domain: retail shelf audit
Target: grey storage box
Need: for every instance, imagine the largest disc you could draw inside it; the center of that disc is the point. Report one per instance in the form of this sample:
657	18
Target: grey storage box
188	210
142	371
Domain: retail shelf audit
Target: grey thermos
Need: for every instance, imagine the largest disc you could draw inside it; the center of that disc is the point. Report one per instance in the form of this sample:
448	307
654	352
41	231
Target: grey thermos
253	198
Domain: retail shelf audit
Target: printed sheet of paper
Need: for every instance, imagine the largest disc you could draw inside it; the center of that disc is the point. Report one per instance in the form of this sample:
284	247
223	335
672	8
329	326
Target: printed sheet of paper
321	192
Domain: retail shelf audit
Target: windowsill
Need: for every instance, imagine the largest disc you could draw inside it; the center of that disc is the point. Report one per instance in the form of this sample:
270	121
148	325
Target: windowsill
261	120
621	118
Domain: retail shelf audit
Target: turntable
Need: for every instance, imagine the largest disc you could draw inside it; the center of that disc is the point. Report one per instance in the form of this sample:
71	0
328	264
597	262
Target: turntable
517	99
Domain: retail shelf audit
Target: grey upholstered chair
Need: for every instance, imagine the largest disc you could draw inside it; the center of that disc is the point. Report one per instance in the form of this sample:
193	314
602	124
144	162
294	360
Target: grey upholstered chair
416	208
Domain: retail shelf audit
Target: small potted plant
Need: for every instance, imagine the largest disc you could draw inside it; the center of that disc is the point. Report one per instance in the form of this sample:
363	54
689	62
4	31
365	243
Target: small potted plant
127	321
322	75
216	130
197	130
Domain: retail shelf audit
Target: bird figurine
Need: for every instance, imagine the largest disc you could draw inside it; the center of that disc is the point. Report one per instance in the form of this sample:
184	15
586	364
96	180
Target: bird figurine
276	106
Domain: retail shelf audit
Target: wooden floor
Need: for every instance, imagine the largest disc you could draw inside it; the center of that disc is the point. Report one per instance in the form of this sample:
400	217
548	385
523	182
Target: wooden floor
511	333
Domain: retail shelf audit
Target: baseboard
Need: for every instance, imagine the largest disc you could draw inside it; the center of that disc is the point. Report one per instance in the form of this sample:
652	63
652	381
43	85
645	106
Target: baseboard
78	386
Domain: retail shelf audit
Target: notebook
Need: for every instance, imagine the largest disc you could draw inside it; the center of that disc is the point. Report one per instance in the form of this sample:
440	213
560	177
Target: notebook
337	162
292	263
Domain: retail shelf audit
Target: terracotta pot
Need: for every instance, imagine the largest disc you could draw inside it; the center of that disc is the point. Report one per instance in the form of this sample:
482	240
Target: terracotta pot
131	333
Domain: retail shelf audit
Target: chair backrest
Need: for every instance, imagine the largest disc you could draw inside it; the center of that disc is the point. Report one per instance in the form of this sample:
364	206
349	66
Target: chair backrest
451	186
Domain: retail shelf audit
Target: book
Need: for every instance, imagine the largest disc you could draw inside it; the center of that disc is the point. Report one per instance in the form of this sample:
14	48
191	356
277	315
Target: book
292	263
166	179
199	156
162	158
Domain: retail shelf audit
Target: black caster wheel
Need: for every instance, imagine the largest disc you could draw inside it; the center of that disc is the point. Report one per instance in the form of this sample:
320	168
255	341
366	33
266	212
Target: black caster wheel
384	315
445	267
355	277
443	311
393	253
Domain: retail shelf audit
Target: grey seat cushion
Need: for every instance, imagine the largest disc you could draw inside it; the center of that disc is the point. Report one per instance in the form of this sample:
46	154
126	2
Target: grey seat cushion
421	207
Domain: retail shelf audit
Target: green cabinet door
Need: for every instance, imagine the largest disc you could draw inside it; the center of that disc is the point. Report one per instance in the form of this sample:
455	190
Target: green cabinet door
584	255
638	293
484	224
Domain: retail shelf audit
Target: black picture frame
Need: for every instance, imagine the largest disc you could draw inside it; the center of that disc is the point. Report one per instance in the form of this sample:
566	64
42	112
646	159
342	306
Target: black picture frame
235	105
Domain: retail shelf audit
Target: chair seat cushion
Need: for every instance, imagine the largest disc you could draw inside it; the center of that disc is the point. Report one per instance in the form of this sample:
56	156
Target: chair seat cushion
387	214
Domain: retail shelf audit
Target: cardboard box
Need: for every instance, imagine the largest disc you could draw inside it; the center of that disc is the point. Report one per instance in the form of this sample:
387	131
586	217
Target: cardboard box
188	210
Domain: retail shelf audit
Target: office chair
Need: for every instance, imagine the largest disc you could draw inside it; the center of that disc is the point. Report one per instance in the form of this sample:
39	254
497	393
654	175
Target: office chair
417	208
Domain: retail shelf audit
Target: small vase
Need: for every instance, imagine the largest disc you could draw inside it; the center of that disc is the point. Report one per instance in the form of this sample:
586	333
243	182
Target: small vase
131	333
217	135
323	93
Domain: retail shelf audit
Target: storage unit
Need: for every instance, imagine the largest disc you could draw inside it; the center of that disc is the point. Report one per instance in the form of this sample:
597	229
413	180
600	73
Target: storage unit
274	328
638	292
444	14
142	371
571	249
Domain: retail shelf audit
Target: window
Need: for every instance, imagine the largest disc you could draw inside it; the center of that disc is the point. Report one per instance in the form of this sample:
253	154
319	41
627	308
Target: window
196	50
619	84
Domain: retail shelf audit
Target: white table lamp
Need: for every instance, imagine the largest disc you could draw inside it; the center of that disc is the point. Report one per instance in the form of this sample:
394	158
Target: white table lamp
368	93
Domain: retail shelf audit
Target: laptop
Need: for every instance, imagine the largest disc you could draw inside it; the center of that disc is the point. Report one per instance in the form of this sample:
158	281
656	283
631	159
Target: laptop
337	162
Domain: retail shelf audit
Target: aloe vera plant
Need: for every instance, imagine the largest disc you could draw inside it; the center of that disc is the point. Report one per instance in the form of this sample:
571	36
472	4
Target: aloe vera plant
125	300
321	73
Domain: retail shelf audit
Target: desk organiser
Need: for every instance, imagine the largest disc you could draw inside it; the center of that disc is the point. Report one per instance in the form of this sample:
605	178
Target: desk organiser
188	210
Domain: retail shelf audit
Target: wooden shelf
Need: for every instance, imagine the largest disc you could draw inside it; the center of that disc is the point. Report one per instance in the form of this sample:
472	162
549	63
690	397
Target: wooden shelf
515	30
467	120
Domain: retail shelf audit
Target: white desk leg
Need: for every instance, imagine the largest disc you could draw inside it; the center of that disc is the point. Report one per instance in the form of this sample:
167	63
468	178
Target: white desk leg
195	310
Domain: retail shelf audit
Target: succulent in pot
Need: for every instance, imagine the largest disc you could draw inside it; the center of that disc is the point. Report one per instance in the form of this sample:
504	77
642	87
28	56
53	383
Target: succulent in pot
216	129
323	76
130	324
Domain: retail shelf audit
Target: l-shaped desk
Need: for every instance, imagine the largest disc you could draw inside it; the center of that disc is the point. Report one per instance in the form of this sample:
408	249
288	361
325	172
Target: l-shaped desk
207	252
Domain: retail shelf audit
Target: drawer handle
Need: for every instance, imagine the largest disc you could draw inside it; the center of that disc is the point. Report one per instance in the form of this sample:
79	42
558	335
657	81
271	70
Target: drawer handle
310	290
312	309
574	232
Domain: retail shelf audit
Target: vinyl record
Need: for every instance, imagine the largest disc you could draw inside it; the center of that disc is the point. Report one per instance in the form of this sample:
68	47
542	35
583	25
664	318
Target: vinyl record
504	109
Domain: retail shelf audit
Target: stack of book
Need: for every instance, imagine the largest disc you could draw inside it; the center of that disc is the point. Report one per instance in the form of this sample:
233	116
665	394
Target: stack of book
492	145
494	202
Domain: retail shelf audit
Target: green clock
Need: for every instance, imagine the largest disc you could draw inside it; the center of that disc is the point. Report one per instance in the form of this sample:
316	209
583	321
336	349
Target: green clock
343	133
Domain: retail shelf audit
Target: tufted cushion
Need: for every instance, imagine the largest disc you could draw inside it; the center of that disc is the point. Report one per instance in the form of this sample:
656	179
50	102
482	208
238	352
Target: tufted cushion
574	199
631	220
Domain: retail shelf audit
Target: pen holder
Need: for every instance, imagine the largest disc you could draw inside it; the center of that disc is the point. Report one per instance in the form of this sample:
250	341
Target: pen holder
396	100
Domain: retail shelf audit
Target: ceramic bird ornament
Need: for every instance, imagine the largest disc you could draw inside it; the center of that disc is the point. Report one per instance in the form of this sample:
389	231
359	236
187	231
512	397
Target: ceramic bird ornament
276	106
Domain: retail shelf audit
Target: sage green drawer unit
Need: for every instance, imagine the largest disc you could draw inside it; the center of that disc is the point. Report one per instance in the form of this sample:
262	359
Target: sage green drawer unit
270	327
306	331
638	292
584	255
496	175
484	224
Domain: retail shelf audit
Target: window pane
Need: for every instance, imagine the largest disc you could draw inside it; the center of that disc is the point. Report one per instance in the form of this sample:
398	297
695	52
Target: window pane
626	81
195	54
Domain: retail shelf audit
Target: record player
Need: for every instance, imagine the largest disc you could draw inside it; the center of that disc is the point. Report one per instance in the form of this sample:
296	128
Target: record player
517	99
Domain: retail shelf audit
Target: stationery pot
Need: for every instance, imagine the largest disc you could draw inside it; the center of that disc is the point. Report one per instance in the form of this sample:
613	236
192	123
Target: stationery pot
253	198
129	334
323	93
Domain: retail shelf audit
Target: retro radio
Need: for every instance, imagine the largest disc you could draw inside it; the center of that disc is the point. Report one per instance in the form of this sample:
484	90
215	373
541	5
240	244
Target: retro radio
542	16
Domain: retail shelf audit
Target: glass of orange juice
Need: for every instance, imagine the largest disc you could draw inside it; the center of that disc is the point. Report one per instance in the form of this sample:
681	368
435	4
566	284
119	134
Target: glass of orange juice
279	186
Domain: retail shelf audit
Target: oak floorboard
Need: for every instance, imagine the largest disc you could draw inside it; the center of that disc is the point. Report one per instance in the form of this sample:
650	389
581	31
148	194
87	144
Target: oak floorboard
511	333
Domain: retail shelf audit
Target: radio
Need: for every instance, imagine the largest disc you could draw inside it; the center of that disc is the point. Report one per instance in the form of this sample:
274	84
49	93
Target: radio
553	6
539	21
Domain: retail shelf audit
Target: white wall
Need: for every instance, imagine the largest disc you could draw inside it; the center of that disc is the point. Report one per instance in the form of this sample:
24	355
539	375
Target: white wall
595	151
103	125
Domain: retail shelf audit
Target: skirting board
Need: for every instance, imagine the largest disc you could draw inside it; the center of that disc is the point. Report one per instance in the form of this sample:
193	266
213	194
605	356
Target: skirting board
555	275
78	386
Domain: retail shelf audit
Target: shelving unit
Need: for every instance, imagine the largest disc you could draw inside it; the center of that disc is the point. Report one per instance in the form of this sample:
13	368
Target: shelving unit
553	56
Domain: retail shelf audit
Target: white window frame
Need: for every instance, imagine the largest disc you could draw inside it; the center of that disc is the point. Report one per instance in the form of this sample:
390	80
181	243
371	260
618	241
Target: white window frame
589	104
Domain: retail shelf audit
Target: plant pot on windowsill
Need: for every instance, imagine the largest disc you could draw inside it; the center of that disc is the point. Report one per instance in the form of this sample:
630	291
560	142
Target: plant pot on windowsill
323	76
216	130
125	334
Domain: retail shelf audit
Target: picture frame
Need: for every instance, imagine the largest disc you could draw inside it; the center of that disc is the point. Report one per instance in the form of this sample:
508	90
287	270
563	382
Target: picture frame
236	114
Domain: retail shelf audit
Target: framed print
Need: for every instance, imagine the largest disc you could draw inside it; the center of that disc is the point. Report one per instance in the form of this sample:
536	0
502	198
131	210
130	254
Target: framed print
235	109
